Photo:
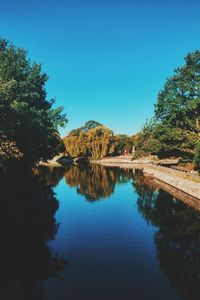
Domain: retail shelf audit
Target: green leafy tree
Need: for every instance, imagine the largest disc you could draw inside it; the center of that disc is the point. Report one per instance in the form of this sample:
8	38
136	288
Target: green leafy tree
166	141
146	142
124	143
174	141
90	125
85	128
175	128
197	157
27	119
178	103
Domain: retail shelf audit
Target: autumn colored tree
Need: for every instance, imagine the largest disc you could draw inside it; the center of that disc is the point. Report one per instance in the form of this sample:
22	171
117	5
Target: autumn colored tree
96	142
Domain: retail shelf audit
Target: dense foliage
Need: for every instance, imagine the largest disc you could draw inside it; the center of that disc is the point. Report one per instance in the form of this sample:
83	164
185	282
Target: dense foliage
124	143
96	141
174	130
178	103
28	122
166	141
197	156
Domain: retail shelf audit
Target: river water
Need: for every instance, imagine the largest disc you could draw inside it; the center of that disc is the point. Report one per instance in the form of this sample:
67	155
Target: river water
96	233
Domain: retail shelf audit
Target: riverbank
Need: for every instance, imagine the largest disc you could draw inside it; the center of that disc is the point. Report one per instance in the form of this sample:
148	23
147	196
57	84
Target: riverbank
63	161
187	183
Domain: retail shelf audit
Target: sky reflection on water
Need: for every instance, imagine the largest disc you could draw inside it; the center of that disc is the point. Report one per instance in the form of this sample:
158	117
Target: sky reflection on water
95	233
124	238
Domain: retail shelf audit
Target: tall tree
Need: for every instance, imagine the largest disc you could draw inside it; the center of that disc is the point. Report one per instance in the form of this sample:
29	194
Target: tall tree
91	125
175	129
27	119
99	141
178	103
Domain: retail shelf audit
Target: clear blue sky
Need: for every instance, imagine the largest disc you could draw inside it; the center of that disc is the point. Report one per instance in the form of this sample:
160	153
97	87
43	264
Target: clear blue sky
106	59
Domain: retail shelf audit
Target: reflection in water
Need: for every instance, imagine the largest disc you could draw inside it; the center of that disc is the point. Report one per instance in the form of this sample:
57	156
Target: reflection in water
95	182
147	193
177	239
50	176
26	224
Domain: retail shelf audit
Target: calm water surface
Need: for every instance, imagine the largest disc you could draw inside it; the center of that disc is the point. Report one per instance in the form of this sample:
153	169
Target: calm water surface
97	233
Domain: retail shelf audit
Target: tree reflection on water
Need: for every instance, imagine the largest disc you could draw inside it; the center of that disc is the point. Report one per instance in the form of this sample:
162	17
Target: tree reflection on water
177	238
27	223
177	226
49	176
95	182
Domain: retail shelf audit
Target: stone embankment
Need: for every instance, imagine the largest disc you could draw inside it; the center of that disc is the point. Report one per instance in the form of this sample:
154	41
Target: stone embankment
185	182
128	160
182	181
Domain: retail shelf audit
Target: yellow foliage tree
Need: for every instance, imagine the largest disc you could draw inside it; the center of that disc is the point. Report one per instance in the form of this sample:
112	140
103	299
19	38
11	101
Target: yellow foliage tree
96	142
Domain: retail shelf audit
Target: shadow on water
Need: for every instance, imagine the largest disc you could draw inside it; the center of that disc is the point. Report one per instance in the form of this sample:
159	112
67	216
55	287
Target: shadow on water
27	223
177	239
49	176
